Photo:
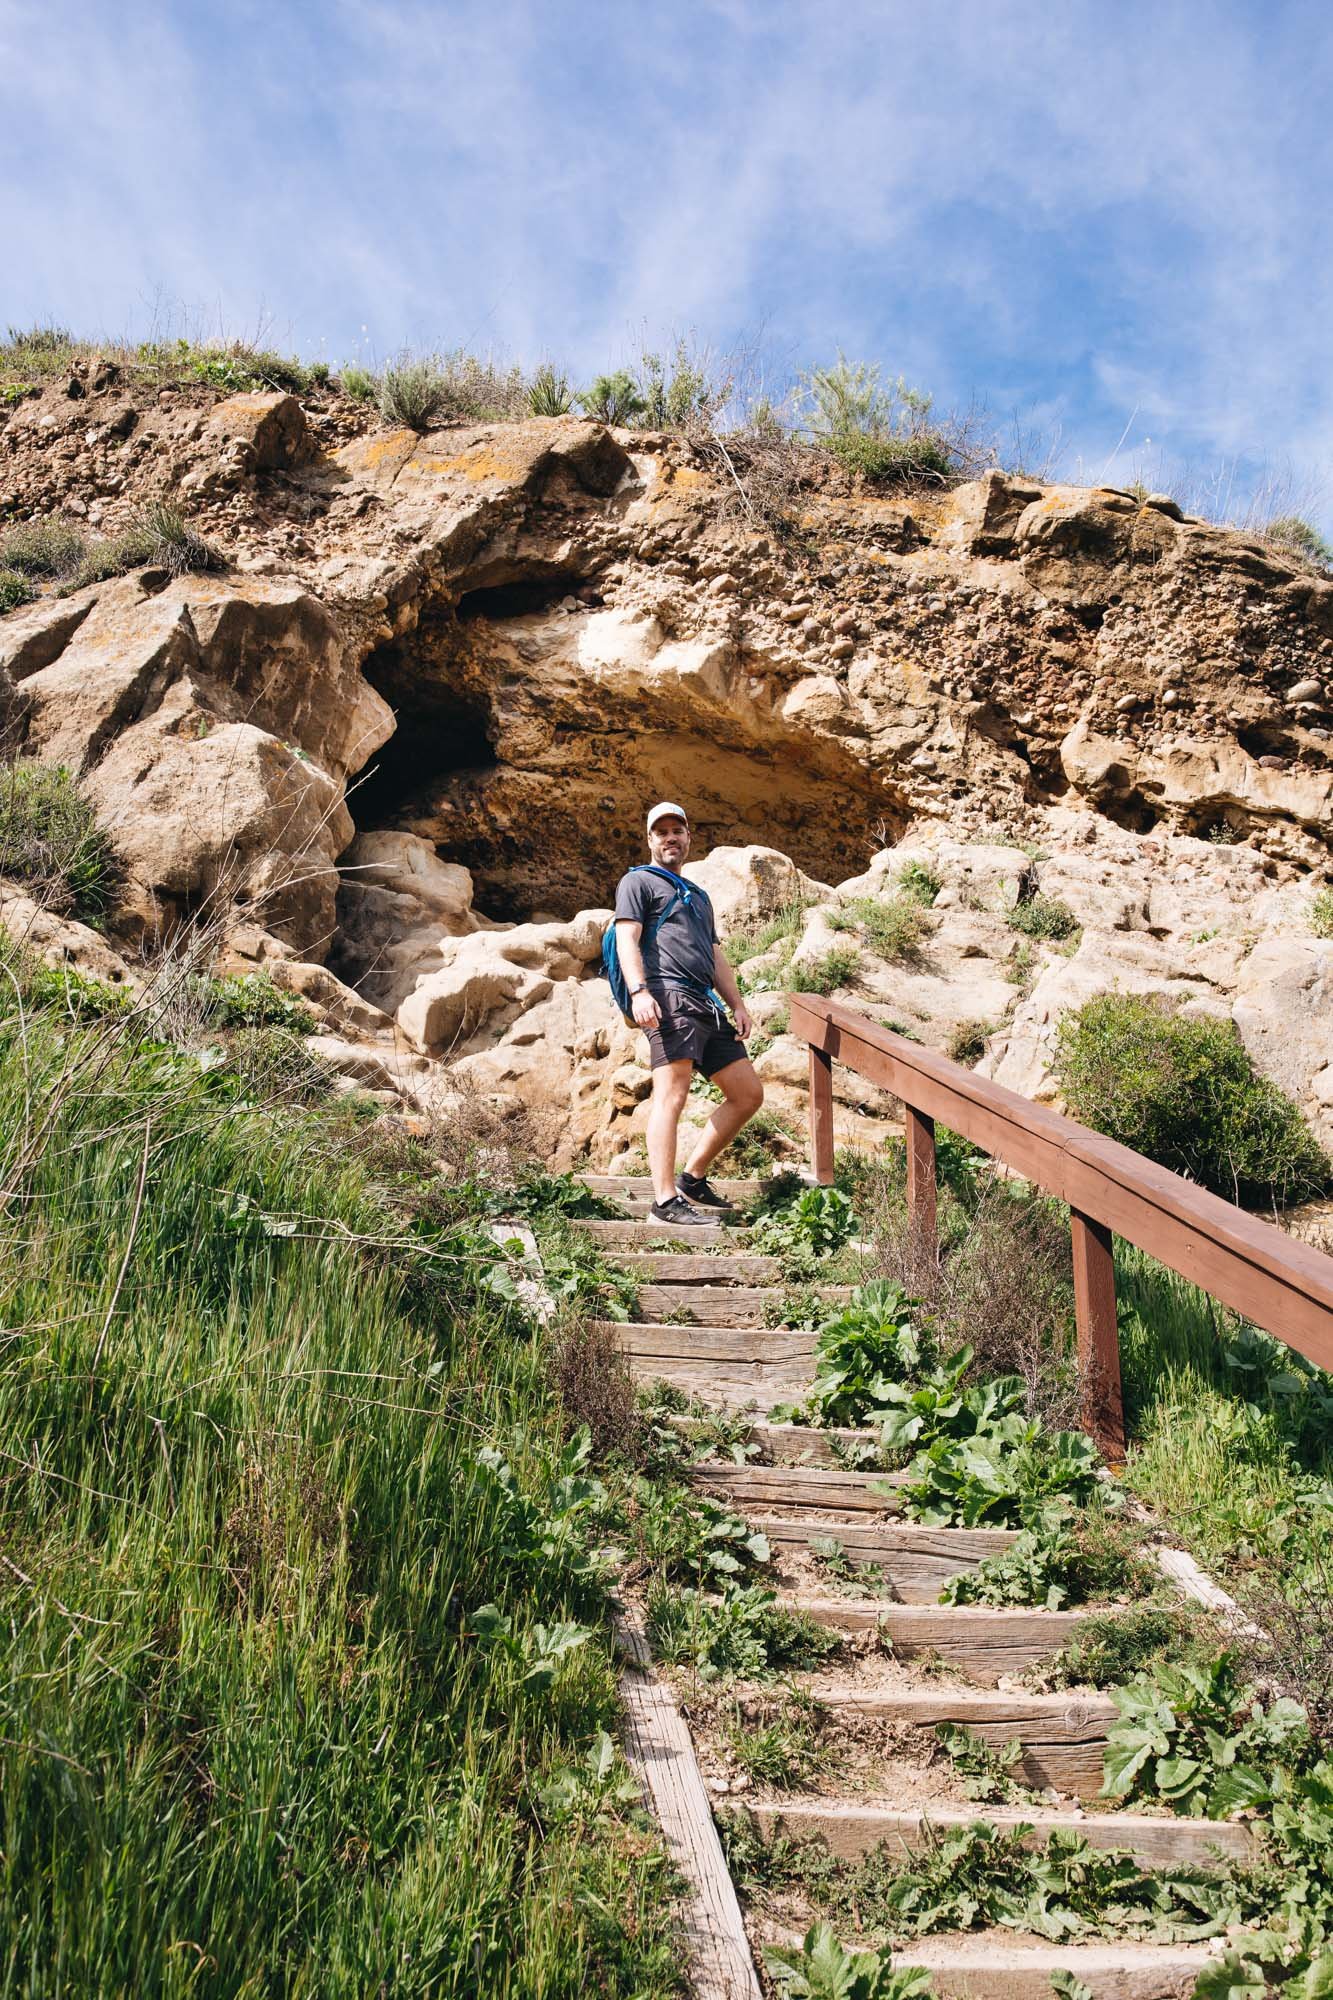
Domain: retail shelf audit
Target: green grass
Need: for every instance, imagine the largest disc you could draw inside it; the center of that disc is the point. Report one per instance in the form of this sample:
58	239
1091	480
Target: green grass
1321	914
15	590
785	925
258	1732
51	843
828	972
159	538
893	927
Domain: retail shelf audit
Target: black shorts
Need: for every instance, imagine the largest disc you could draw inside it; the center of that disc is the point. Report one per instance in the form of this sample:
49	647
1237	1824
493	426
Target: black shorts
693	1030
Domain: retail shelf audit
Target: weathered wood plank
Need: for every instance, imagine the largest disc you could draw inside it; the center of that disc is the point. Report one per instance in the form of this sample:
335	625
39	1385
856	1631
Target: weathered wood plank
993	1965
982	1642
766	1345
853	1830
659	1750
799	1486
710	1305
1063	1735
667	1267
738	1386
639	1187
636	1235
917	1561
792	1444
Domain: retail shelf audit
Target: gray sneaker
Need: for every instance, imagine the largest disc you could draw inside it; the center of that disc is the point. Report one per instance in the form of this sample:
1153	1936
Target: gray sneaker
678	1210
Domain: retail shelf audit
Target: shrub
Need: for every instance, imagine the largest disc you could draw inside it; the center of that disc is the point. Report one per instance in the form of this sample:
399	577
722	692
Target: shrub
15	589
827	973
549	393
614	399
893	928
251	1000
1043	917
38	350
1298	537
358	384
879	431
411	393
1321	914
919	882
1186	1093
766	1136
591	1378
42	548
967	1041
50	840
160	538
677	391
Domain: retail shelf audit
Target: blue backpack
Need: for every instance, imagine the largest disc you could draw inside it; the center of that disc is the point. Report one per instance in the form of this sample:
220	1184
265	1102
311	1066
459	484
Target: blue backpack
615	977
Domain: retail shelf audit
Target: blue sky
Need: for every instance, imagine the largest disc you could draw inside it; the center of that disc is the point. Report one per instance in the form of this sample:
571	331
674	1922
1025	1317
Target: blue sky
1110	219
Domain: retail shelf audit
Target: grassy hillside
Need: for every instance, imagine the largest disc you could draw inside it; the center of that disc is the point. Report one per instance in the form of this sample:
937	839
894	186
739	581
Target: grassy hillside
302	1645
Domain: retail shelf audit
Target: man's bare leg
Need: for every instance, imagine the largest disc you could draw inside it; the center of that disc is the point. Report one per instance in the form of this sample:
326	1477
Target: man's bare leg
671	1086
742	1095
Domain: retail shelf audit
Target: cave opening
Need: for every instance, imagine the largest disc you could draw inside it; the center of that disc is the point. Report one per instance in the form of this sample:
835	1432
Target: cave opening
442	728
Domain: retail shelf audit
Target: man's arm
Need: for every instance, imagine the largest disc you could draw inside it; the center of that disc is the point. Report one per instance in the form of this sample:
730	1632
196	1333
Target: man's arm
725	981
643	1006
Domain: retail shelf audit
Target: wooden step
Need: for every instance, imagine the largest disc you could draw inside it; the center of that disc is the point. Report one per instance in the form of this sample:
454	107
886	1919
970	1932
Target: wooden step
966	1968
995	1965
636	1190
711	1305
768	1346
635	1235
788	1486
797	1444
917	1561
982	1642
1063	1735
851	1831
678	1267
735	1387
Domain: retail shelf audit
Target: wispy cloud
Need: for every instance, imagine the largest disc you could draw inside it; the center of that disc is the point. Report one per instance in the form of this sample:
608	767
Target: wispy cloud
1108	214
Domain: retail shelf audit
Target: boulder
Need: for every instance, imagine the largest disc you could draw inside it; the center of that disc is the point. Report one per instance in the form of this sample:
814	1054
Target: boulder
747	884
496	972
397	903
1283	1007
260	431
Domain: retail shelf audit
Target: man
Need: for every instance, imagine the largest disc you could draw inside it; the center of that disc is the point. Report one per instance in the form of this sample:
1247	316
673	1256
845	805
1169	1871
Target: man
674	968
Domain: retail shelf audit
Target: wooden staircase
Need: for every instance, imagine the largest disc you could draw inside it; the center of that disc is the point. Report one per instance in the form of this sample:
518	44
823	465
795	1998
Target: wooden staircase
709	1327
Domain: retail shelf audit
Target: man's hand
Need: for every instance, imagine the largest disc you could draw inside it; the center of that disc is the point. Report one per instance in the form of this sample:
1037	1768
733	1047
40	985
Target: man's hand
740	1014
646	1011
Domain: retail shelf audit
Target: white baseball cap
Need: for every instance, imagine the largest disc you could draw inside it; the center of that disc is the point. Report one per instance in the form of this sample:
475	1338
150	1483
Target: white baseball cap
663	810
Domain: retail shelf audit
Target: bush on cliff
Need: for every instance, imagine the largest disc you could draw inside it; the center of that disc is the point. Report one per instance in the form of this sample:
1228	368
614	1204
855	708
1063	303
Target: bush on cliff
1186	1093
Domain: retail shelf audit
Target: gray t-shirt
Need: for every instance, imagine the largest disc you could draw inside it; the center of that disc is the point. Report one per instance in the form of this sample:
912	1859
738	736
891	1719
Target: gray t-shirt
680	952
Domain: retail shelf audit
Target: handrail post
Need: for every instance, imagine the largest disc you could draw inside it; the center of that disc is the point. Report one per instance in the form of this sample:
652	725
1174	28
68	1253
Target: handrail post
920	1135
821	1115
1102	1403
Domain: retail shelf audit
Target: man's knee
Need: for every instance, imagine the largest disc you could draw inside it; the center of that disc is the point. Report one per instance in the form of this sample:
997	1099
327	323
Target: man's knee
745	1090
671	1085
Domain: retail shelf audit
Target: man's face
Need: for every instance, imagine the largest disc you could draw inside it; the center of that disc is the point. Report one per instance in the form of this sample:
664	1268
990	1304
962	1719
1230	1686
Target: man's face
669	842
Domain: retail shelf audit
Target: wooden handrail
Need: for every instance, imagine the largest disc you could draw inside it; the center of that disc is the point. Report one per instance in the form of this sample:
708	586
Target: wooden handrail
1275	1280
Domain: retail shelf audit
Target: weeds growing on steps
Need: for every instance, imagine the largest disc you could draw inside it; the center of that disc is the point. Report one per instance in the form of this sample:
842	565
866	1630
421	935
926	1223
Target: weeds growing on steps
303	1616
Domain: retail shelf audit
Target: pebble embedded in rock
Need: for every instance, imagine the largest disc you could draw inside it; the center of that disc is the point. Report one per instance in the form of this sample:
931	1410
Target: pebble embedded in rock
1306	691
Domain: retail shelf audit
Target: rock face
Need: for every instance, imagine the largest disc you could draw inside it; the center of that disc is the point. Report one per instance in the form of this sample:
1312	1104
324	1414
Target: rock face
413	727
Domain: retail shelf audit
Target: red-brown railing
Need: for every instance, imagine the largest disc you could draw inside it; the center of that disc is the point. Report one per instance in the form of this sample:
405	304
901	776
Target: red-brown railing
1276	1281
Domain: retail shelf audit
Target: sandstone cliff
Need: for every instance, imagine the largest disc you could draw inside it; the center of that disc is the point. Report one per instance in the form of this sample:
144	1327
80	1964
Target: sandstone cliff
405	737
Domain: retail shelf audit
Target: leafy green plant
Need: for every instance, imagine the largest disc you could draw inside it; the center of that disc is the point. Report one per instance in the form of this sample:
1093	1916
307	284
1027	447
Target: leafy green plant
983	1772
691	1535
760	1141
1077	1562
1321	914
50	840
254	1000
1110	1647
1044	917
837	1568
1199	1738
74	993
15	590
880	430
1185	1092
813	1226
822	1970
593	1791
743	1632
920	882
537	1654
871	1344
544	1534
1015	1474
676	390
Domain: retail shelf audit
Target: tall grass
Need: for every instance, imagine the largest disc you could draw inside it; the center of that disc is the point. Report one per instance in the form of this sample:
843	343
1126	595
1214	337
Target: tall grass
250	1741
